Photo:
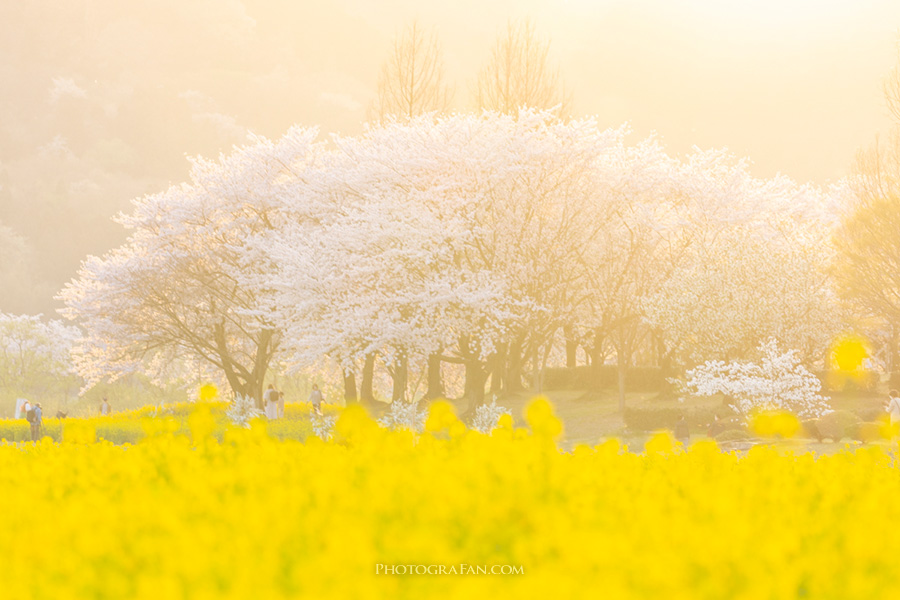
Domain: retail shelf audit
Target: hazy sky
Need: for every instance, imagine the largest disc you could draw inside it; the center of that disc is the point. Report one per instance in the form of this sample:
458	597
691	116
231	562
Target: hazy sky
102	100
795	85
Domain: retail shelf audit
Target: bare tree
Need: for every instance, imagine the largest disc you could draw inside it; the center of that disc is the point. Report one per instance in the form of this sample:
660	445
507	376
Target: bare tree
866	264
877	168
412	79
519	74
892	89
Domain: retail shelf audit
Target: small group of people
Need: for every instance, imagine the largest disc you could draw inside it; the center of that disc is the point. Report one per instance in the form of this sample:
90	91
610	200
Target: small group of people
273	401
34	414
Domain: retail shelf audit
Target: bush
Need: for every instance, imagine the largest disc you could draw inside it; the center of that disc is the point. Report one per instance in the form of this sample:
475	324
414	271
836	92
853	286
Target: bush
733	435
811	429
777	381
596	377
837	425
652	419
836	382
866	431
726	424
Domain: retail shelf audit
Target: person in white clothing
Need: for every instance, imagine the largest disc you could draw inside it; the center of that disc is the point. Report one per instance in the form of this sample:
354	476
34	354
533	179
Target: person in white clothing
893	407
21	408
270	400
315	398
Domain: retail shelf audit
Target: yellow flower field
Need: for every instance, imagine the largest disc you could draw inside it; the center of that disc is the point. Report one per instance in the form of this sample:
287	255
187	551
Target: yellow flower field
188	516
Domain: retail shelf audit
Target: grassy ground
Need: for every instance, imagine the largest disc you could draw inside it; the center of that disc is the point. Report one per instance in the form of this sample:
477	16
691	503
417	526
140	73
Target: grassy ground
591	417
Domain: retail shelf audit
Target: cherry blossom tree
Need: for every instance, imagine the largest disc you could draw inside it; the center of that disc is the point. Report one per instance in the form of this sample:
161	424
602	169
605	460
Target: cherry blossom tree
176	287
35	354
754	266
441	239
777	380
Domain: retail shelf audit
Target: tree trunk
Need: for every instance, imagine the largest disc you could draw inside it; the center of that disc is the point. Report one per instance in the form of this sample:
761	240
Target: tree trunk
399	374
893	346
571	350
497	365
597	361
435	382
476	377
514	367
265	348
621	370
548	349
244	382
349	387
366	392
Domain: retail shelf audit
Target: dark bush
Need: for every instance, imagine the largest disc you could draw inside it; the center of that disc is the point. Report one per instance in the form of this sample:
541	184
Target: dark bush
837	425
811	429
865	432
698	419
723	425
836	382
733	435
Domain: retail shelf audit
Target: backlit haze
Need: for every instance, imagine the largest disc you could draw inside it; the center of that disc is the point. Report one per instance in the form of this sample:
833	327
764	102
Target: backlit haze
102	100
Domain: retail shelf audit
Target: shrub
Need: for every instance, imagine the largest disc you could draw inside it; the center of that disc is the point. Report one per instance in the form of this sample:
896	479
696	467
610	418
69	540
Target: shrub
811	429
726	424
243	410
776	382
775	424
487	416
837	382
404	415
836	425
866	431
733	435
652	419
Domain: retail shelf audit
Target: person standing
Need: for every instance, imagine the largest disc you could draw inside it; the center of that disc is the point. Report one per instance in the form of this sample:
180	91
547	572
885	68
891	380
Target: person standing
26	410
682	431
315	398
36	422
21	410
105	409
270	399
893	407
